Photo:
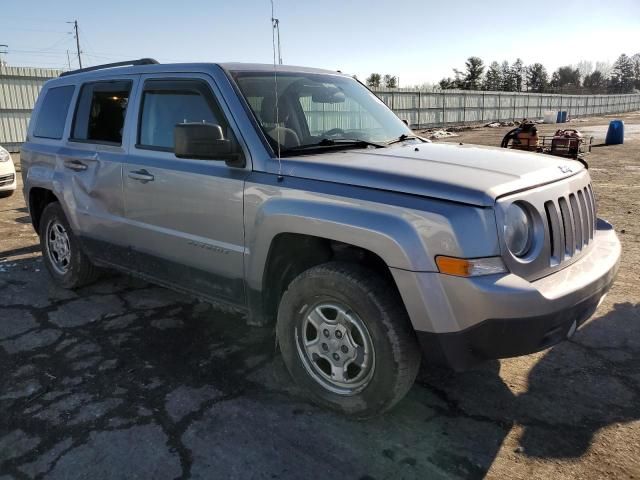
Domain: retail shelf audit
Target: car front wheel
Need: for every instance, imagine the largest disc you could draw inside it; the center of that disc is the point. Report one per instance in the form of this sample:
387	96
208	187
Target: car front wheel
346	339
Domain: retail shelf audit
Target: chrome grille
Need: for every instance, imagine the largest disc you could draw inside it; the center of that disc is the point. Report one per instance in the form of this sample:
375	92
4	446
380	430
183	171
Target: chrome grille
6	179
571	223
564	215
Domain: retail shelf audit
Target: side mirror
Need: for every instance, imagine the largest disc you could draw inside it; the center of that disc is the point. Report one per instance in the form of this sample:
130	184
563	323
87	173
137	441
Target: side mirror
204	141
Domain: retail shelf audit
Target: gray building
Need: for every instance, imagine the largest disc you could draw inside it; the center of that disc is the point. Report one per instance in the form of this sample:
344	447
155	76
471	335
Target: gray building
19	89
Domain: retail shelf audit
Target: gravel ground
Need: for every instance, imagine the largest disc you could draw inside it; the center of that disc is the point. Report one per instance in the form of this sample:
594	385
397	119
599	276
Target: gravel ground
127	380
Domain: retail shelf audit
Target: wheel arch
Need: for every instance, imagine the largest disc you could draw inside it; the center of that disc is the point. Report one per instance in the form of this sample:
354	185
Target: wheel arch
38	199
289	255
312	231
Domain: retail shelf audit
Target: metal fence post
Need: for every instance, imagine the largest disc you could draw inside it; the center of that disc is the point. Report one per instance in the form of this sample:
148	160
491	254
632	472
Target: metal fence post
464	108
419	107
586	106
444	116
482	111
539	106
570	104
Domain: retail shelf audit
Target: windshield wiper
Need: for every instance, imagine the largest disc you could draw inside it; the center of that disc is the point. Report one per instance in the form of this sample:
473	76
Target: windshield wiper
337	142
404	137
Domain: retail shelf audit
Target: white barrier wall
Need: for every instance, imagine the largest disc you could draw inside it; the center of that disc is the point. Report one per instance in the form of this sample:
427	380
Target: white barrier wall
427	109
19	88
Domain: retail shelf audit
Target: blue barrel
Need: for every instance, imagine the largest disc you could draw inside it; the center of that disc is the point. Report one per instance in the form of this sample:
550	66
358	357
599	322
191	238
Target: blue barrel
615	134
562	117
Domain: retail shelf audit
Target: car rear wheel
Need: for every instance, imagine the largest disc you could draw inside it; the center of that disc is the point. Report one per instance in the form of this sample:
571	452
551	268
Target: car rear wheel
346	339
61	252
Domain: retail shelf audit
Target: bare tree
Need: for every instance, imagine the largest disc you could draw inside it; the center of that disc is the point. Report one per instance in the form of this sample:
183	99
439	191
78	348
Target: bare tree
585	68
604	68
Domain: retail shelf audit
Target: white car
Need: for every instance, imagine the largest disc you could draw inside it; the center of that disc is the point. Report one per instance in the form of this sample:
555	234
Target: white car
7	174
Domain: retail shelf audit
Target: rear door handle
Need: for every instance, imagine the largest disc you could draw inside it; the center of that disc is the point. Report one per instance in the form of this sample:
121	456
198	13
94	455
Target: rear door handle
141	175
75	165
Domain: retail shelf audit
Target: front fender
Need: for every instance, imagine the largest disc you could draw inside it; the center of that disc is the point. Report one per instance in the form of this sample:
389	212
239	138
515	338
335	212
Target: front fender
390	237
405	231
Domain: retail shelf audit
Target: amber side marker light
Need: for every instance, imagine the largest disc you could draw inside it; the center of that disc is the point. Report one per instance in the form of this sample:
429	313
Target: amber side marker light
470	267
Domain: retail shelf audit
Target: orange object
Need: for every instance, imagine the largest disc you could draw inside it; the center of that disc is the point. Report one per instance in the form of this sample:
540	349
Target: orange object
459	267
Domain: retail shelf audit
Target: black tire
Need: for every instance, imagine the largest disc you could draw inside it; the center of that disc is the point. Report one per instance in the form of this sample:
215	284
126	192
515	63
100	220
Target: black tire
7	193
378	306
79	269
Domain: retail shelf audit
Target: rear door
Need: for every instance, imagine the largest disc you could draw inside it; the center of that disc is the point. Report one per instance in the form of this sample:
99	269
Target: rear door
185	216
92	164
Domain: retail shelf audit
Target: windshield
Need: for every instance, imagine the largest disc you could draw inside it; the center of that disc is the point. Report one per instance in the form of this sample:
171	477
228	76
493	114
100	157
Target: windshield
318	111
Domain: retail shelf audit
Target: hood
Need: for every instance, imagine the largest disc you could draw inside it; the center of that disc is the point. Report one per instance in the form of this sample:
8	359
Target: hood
470	174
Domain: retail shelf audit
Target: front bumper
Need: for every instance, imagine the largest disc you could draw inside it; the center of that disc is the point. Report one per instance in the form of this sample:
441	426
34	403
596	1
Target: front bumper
7	177
463	321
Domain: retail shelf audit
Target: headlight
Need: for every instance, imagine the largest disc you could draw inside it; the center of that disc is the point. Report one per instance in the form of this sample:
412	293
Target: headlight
4	155
518	230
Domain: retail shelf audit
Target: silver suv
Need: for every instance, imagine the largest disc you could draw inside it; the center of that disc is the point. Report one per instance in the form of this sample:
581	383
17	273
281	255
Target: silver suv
297	196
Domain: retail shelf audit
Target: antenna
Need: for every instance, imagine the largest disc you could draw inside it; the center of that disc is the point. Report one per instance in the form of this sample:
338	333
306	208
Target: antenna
275	25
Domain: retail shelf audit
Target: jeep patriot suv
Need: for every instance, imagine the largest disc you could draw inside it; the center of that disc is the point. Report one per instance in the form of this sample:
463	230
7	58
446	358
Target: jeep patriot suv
297	196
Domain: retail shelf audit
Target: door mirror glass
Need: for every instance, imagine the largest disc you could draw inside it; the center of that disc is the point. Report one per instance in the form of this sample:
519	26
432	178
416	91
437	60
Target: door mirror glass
201	140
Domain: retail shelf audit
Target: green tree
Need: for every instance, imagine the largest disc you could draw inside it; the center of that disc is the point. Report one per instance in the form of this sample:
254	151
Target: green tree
595	82
447	83
537	78
390	81
518	75
472	77
567	77
493	78
506	76
373	80
623	77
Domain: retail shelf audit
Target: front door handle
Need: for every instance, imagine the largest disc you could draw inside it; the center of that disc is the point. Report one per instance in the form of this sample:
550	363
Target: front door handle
75	165
141	175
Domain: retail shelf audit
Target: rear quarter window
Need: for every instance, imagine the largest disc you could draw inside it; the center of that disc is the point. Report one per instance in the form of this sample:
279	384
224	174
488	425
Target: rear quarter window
53	113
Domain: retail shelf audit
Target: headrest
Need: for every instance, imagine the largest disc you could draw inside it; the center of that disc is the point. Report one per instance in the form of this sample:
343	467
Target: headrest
268	110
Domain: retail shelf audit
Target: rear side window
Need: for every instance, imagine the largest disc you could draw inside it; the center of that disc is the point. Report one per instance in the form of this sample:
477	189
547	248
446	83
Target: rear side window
53	113
101	111
168	103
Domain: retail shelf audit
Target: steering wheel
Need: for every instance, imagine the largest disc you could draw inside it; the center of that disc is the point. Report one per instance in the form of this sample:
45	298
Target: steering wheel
333	132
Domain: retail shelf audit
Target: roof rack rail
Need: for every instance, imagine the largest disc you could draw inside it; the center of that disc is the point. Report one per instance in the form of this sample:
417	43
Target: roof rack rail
141	61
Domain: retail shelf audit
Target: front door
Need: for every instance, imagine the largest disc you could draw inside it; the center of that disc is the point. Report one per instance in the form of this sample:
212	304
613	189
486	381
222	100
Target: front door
185	216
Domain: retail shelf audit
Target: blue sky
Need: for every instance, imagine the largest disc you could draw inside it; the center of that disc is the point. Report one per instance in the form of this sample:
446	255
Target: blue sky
418	40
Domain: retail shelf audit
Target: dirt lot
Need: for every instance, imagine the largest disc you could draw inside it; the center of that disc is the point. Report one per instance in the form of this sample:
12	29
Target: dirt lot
126	380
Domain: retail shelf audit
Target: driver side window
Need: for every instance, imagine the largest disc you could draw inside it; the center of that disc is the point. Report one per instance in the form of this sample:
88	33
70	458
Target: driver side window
166	103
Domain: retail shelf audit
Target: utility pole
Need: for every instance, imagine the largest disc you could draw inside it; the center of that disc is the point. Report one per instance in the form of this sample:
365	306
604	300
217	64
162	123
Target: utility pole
3	51
75	28
68	60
